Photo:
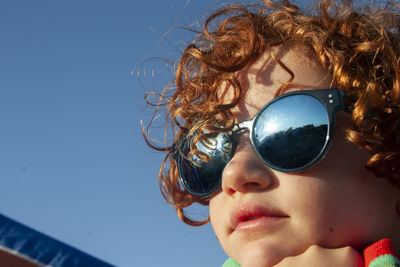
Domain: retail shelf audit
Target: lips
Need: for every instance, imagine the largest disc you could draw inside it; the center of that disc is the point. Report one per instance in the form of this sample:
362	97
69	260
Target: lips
252	216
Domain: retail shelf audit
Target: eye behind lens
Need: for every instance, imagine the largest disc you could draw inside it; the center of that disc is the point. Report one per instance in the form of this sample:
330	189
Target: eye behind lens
199	176
291	133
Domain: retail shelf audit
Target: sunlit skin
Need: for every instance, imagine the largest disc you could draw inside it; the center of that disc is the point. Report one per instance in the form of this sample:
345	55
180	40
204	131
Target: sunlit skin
334	204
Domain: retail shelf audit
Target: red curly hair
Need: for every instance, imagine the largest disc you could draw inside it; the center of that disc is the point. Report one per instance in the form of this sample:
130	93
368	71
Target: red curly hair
359	47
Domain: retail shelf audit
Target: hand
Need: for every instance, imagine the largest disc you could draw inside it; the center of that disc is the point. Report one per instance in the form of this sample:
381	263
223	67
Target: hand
318	256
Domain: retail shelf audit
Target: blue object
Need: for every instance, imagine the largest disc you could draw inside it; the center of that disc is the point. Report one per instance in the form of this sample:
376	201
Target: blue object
19	243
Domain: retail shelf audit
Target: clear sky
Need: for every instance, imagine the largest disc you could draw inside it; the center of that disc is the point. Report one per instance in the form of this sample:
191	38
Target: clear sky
73	163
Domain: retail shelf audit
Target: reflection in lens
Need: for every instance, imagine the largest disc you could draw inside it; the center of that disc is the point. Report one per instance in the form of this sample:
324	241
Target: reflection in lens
203	177
292	132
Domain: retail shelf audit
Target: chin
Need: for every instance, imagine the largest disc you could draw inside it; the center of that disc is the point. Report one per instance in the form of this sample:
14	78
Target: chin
261	253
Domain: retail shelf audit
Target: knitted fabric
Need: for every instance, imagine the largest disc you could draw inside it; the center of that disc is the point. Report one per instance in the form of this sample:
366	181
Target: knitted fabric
381	254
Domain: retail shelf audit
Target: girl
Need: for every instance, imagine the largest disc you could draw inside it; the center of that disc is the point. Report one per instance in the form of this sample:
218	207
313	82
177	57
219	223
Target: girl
287	124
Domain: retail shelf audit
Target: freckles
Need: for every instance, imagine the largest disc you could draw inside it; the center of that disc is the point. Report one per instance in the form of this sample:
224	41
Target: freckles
331	229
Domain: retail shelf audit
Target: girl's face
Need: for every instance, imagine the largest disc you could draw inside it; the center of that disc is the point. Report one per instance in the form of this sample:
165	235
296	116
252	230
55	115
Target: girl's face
262	216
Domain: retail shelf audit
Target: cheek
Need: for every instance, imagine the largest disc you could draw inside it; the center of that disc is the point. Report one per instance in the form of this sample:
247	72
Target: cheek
337	211
218	216
321	212
309	203
344	157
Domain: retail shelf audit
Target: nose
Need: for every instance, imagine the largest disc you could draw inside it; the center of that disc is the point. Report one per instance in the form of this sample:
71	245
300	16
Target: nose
246	172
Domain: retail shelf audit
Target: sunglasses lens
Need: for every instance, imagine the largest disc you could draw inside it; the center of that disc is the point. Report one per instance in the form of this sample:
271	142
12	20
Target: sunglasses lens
291	133
201	175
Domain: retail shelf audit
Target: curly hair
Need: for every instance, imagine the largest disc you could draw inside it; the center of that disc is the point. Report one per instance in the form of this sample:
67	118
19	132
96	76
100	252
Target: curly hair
358	47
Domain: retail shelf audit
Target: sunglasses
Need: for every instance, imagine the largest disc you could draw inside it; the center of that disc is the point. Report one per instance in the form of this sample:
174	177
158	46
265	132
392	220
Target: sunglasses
289	134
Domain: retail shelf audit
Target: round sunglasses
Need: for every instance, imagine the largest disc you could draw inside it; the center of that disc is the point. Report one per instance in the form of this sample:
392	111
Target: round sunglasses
289	134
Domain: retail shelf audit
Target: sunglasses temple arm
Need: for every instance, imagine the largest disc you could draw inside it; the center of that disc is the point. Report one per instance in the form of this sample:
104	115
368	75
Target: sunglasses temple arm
348	101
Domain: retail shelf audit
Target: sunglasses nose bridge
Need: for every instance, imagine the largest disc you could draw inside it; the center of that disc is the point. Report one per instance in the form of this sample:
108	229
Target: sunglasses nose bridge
243	126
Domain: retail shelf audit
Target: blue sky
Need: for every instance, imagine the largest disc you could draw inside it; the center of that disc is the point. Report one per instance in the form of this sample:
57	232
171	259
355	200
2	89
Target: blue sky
73	163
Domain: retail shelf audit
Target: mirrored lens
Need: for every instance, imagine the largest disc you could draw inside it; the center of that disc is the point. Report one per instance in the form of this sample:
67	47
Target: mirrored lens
291	133
200	176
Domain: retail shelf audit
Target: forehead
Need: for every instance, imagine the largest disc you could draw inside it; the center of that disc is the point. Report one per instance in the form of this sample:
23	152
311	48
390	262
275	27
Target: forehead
261	80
